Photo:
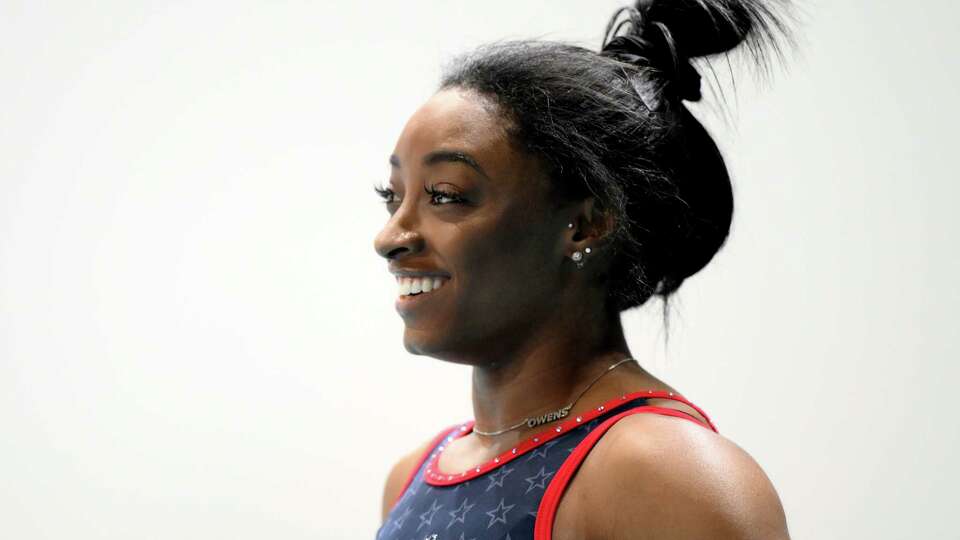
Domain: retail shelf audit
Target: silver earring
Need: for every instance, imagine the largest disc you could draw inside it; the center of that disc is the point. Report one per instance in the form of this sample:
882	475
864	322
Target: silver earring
577	258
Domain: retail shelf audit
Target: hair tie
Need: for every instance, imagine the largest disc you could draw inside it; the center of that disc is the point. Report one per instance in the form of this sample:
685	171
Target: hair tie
653	46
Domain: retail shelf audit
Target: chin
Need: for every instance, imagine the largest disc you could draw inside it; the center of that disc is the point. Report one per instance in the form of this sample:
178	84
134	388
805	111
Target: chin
418	342
430	344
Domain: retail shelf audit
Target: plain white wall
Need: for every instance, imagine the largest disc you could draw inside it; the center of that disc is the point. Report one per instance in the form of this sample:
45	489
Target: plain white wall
197	339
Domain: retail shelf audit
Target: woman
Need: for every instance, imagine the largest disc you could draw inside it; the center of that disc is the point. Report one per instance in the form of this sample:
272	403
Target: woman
543	190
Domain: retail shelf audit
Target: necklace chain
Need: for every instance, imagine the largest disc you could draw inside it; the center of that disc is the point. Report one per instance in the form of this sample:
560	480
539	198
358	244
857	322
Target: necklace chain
534	421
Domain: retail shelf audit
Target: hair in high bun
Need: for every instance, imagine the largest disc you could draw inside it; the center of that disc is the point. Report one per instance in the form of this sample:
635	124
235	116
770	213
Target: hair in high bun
663	36
612	125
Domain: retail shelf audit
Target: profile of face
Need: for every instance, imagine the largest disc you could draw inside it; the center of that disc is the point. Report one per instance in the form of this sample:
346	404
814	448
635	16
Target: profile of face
464	203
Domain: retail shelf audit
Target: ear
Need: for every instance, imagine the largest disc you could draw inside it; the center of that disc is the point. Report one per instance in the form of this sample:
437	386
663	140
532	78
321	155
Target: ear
587	239
592	225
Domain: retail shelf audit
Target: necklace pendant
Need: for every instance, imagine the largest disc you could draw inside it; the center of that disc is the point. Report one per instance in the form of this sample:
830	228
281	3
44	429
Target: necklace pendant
549	417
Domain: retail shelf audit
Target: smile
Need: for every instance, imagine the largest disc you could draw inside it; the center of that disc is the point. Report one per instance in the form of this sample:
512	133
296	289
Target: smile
419	285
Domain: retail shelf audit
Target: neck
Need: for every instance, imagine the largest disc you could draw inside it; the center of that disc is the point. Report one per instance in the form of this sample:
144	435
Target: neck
547	372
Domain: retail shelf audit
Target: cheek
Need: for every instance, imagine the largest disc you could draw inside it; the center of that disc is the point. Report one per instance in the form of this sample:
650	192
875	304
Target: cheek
508	268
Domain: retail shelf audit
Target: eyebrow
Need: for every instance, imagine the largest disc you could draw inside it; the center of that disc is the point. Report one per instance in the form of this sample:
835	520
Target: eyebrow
446	156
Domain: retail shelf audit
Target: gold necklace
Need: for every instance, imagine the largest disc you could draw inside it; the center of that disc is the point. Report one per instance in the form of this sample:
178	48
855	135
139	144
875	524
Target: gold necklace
562	412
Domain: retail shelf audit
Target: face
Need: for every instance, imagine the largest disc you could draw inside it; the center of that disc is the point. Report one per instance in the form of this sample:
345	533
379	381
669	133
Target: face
467	208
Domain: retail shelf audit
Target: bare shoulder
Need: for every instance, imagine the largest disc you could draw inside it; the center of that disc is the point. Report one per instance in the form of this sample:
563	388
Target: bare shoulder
399	474
653	476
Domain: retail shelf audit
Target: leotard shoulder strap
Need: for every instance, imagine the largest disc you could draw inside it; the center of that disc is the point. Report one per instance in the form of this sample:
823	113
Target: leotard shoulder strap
547	511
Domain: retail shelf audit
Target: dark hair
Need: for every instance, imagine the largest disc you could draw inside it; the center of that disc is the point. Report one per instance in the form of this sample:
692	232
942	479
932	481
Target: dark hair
612	125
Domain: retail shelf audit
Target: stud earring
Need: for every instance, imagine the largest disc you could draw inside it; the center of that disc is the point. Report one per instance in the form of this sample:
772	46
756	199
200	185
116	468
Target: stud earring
577	258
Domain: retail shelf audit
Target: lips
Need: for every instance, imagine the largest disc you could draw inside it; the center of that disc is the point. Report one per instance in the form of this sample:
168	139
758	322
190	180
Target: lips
412	272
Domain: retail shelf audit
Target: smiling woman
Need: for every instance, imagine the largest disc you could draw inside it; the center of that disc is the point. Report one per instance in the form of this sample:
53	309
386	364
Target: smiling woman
543	190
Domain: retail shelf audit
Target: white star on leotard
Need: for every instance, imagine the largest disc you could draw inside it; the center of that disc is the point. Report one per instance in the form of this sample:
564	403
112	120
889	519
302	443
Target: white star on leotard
538	480
462	537
542	451
424	520
496	479
499	513
398	523
464	508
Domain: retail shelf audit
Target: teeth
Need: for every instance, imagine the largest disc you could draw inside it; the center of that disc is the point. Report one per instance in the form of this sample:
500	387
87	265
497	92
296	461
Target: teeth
409	286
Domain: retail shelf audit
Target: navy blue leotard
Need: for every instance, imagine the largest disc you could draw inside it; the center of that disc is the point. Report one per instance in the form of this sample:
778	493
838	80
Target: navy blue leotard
515	495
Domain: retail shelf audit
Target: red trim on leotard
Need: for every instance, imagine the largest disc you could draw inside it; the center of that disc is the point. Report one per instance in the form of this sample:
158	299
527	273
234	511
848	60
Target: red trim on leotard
434	477
547	511
426	455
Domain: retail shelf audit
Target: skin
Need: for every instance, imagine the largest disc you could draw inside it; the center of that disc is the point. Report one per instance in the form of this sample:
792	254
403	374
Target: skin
520	313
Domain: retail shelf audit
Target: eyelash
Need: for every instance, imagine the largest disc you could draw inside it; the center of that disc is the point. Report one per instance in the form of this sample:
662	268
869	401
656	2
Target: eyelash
388	194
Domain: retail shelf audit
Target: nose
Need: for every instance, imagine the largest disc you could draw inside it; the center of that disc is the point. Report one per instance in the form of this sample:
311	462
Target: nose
398	238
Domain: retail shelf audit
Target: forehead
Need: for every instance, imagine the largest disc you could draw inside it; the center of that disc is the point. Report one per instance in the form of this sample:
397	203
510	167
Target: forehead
454	117
462	120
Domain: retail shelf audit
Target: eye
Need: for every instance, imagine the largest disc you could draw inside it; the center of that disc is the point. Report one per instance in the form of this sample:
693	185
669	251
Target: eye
388	195
437	193
438	196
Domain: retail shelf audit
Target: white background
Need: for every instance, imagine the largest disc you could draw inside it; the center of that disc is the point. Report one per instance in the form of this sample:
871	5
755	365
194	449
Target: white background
197	339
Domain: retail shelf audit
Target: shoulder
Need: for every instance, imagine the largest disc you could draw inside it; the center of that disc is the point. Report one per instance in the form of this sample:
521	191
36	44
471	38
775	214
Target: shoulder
401	471
660	477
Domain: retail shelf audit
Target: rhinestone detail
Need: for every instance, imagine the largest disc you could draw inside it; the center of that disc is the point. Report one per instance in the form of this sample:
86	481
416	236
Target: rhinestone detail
569	423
